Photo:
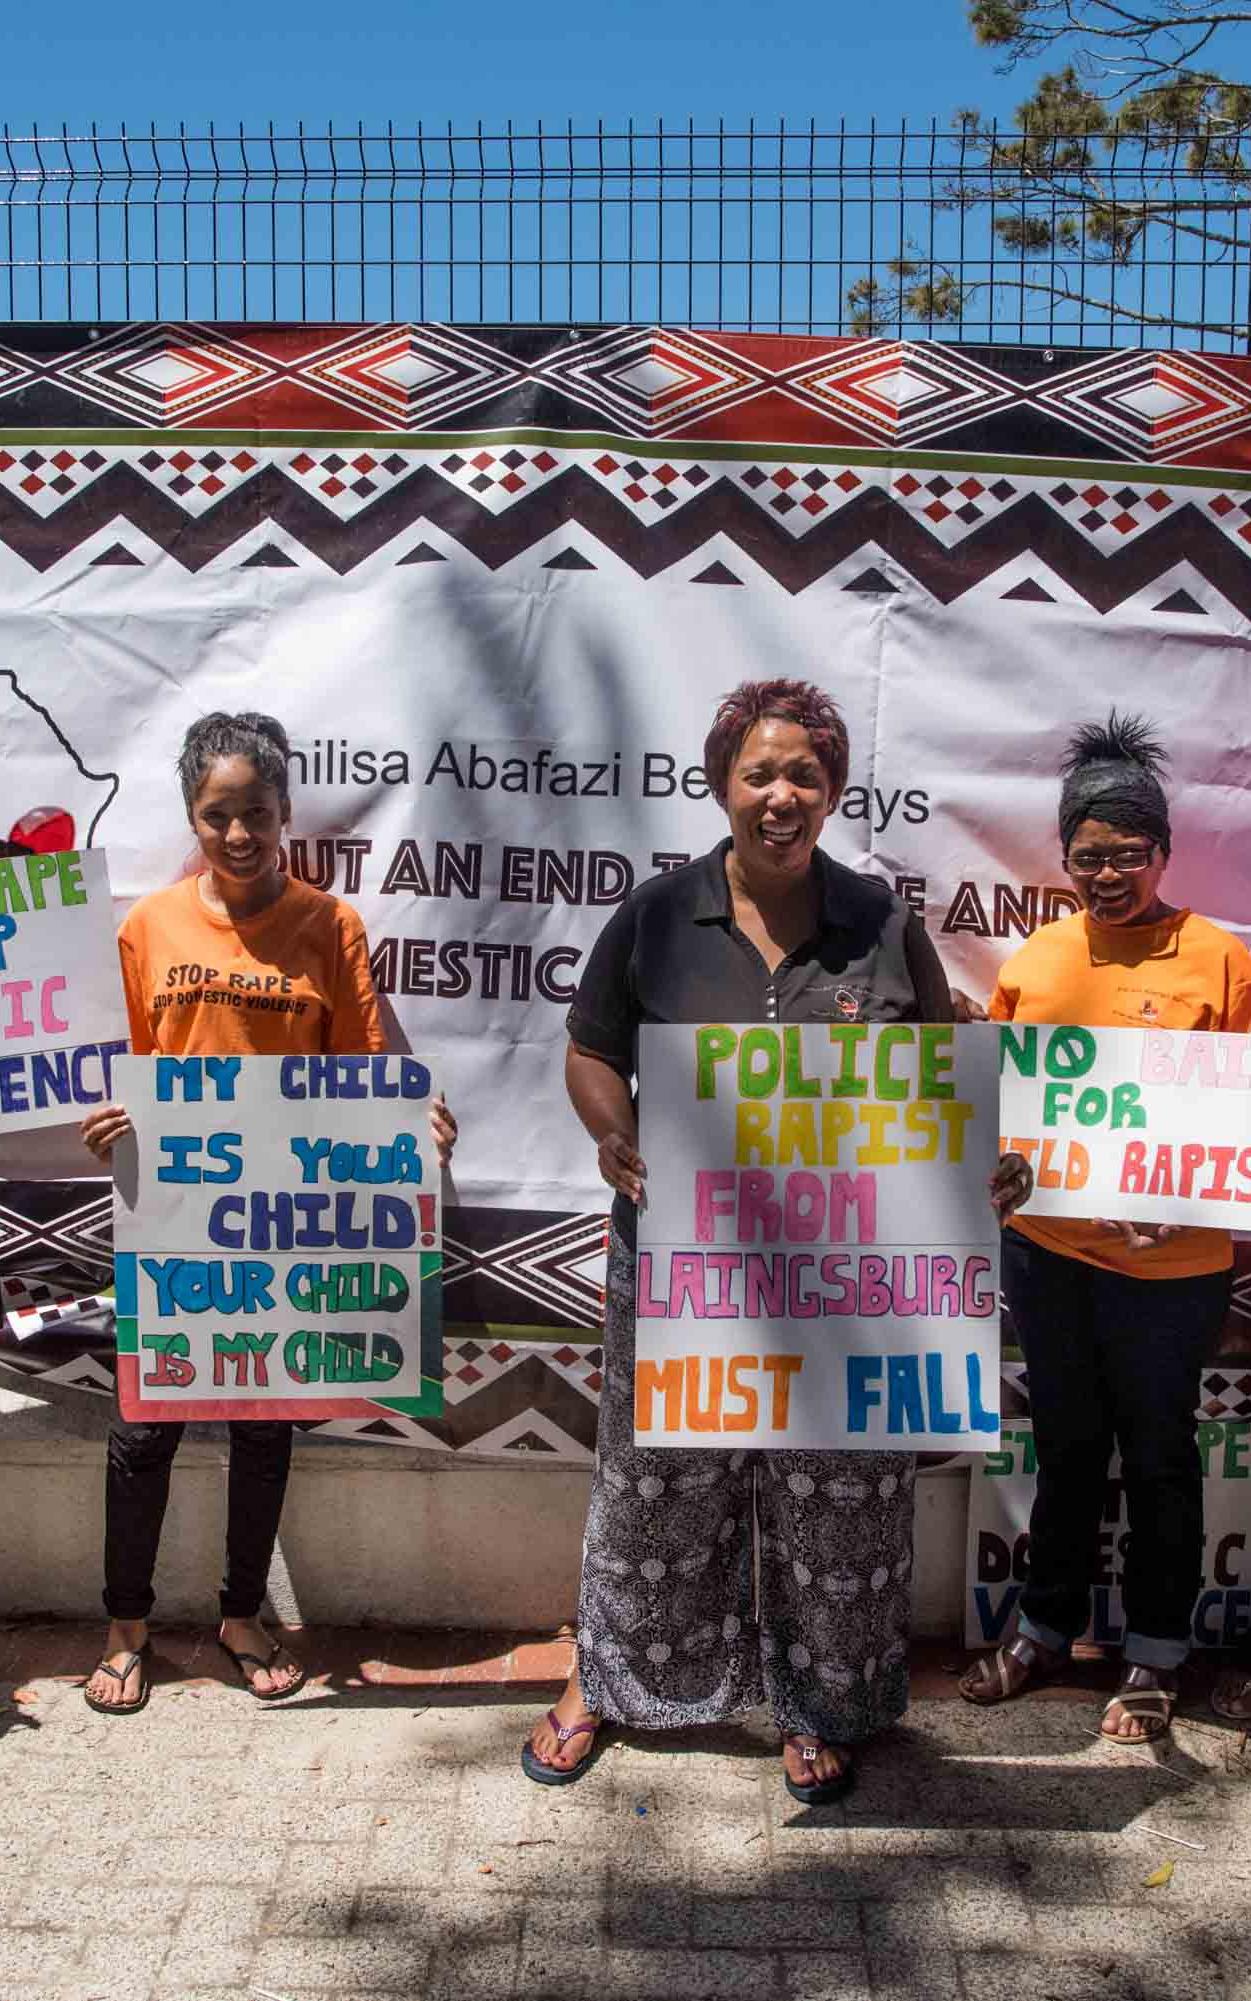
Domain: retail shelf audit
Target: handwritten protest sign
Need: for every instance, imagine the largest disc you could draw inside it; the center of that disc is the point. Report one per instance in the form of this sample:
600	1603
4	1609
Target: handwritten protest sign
62	1013
818	1259
277	1224
1149	1124
997	1552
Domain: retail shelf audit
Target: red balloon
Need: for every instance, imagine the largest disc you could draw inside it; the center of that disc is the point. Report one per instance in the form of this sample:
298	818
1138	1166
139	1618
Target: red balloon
49	830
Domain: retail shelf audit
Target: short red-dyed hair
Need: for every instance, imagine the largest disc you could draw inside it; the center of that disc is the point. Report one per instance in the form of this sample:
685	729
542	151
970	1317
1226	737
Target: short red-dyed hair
799	702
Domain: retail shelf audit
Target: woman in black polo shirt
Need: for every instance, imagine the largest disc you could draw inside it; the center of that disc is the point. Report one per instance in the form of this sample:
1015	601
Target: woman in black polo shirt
765	928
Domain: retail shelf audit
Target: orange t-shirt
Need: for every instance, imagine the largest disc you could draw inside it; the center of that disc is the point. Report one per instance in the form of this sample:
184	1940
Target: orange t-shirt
294	980
1180	973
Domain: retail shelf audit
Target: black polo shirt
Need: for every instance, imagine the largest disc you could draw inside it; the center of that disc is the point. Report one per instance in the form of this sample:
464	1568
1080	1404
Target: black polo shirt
673	953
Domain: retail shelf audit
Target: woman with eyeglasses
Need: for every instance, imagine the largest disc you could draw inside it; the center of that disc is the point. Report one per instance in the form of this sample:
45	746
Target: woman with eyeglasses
1114	1317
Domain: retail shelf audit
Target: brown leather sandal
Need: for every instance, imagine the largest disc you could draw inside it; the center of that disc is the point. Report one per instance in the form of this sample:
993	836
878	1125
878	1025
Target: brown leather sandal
1011	1670
1149	1696
1231	1698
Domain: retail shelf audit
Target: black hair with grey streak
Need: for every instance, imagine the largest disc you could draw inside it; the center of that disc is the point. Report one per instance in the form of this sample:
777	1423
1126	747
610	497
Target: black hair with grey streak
1112	774
260	739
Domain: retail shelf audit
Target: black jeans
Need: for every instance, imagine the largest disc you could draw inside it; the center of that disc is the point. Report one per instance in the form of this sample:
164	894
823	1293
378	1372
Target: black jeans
137	1488
1113	1360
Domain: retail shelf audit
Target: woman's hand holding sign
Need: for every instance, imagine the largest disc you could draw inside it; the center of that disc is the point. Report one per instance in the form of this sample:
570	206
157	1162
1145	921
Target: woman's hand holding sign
1011	1184
623	1167
102	1128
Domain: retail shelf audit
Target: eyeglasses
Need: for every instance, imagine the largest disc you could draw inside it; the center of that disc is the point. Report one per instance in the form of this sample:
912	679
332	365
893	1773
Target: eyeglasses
1124	861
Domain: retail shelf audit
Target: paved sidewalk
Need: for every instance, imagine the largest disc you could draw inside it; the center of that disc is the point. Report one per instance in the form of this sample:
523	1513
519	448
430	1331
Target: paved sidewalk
375	1838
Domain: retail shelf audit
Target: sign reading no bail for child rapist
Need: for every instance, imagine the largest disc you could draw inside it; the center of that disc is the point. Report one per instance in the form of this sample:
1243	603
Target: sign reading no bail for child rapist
818	1260
1152	1125
62	1014
277	1224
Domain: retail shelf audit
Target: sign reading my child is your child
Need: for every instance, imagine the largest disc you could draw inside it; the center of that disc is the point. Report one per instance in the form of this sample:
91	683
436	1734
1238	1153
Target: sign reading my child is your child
818	1257
277	1224
62	1014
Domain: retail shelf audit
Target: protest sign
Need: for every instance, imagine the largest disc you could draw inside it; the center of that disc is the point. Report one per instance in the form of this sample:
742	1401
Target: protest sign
997	1551
1149	1124
278	1237
818	1258
62	1013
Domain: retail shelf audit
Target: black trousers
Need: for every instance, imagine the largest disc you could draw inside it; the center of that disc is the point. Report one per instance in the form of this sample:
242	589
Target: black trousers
140	1457
1113	1360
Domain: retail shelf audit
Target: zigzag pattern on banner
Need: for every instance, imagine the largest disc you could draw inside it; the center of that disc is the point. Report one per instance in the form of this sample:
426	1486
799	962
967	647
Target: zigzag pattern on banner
1105	546
633	381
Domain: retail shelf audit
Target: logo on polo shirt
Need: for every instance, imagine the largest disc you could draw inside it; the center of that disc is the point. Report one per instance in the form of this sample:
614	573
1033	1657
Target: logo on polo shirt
847	1002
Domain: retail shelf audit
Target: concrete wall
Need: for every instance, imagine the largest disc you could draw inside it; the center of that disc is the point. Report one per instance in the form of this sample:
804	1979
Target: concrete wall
372	1534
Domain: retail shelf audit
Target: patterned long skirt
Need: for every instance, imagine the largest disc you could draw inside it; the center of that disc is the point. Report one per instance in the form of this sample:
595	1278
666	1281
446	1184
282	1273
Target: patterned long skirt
672	1630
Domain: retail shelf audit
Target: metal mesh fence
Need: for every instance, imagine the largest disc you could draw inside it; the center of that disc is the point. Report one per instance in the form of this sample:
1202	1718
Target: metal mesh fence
1088	239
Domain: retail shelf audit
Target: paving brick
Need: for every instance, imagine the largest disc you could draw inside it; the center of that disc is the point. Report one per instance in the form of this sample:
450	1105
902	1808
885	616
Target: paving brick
102	1906
766	1922
29	1957
137	1989
369	1959
222	1913
192	1962
214	1862
923	1972
695	1976
830	1976
324	1862
114	1959
650	1915
1021	1976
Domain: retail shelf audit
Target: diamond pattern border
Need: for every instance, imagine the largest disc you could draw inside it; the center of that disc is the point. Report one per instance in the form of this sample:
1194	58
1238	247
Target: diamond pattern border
412	378
164	375
1157	406
899	392
652	380
642	381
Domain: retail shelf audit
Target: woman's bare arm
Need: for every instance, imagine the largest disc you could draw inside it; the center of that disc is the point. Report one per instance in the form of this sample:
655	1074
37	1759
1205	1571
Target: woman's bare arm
601	1098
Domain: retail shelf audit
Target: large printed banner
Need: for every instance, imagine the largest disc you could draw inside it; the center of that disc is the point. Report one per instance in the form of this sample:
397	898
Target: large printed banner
997	1551
62	1015
495	581
1147	1124
277	1228
818	1259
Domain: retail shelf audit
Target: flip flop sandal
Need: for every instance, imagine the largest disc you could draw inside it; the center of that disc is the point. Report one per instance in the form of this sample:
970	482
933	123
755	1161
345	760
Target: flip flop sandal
255	1661
1231	1698
555	1775
137	1660
992	1679
1141	1696
822	1792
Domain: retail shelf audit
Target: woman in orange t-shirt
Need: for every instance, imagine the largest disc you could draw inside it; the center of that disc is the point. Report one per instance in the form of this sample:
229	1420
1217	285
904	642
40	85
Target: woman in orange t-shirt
1114	1318
237	959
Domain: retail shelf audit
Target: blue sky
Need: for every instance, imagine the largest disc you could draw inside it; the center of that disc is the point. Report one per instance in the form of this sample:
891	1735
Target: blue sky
404	59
